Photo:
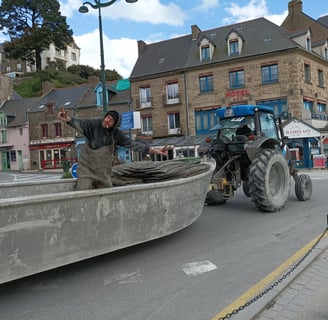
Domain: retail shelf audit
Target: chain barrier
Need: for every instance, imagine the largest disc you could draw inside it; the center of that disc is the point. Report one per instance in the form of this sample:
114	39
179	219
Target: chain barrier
274	284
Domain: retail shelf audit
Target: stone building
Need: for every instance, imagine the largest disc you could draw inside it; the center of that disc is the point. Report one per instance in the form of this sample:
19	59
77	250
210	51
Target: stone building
178	84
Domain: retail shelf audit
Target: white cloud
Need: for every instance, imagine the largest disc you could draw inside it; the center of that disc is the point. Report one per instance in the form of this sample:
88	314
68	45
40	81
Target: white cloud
120	54
254	9
150	11
207	5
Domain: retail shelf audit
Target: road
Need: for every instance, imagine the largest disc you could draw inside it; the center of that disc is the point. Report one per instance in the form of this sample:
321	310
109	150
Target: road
10	176
191	275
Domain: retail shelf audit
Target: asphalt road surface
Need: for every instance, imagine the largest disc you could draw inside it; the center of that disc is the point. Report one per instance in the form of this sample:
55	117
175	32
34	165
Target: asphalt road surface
9	176
191	275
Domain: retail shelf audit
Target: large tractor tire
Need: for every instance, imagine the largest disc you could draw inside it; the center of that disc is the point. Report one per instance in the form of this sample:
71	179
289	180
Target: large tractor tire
269	180
303	187
245	187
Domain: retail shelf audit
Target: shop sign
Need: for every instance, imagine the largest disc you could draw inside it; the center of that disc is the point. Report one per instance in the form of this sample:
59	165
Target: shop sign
297	129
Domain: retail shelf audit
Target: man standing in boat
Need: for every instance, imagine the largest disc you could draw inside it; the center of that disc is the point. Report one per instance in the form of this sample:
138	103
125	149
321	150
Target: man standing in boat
103	135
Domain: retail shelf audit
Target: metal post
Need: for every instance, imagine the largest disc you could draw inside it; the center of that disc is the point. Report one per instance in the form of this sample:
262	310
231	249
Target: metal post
102	66
98	5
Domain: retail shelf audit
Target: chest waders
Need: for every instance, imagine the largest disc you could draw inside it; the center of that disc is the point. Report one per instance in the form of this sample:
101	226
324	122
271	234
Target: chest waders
95	168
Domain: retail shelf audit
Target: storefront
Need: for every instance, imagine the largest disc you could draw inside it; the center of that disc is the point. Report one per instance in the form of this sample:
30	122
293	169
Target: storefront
303	141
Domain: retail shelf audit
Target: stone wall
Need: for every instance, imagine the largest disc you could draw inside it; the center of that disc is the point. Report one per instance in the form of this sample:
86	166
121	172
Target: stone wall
6	87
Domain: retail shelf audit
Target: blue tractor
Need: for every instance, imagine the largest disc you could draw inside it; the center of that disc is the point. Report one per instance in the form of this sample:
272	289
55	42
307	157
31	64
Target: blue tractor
250	152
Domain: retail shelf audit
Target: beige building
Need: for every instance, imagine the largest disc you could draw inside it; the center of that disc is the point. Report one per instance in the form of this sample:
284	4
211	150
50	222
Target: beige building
68	57
178	84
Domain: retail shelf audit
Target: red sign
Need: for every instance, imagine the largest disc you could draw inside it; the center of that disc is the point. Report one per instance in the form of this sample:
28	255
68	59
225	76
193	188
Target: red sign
239	94
50	146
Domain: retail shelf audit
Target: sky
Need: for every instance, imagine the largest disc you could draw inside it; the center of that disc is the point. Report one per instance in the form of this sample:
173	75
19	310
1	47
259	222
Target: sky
157	20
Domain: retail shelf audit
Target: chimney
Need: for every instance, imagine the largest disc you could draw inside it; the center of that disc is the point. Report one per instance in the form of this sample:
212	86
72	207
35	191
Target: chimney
141	47
295	7
195	31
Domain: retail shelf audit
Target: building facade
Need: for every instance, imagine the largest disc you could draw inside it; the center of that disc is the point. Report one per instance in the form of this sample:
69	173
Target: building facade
178	84
65	57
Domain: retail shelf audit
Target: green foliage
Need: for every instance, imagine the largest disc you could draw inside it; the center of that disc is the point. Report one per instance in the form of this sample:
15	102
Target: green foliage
82	70
32	26
30	85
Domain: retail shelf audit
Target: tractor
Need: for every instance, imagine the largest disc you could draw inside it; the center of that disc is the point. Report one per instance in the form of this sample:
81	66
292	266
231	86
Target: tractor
250	152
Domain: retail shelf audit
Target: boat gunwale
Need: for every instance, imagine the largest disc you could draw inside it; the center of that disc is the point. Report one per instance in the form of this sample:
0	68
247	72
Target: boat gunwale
66	195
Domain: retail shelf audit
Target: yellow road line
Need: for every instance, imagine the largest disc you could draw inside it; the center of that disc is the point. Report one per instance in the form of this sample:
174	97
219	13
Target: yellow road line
262	284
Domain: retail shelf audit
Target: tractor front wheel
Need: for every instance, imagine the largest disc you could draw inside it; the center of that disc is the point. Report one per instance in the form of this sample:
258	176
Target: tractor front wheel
303	187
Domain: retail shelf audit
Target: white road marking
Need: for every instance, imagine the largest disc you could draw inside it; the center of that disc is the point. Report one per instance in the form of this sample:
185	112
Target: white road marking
199	267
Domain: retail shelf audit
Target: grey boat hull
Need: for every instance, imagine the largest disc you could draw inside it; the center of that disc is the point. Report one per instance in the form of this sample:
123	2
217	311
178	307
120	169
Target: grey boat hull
49	225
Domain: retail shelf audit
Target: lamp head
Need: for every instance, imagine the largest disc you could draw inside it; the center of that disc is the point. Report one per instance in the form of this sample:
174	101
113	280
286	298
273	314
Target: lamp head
83	9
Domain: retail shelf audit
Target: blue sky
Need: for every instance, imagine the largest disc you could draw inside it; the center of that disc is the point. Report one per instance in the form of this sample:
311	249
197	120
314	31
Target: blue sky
157	20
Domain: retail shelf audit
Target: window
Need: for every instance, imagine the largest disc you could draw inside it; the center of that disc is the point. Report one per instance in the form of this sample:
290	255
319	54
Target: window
233	47
206	83
307	73
145	97
20	131
19	67
269	73
326	54
73	55
268	125
3	119
308	44
44	130
147	125
173	122
204	121
321	107
172	92
4	138
308	105
278	105
13	155
205	52
236	79
320	79
58	131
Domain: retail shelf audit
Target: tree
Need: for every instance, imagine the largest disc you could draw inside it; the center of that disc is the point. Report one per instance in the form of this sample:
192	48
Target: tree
32	26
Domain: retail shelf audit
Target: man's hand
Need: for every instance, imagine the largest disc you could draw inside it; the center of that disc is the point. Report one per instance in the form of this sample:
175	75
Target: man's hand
63	115
162	151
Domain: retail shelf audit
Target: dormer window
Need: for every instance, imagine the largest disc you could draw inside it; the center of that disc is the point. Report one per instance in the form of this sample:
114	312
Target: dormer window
233	47
234	43
206	50
308	44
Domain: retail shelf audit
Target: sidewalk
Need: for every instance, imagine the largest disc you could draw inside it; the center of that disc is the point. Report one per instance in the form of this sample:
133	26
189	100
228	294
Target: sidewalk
306	297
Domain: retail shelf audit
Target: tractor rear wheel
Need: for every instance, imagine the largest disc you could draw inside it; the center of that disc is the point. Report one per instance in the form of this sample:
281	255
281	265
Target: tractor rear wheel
269	180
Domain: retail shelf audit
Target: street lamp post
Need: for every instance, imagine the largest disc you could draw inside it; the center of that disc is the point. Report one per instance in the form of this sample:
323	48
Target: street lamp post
98	5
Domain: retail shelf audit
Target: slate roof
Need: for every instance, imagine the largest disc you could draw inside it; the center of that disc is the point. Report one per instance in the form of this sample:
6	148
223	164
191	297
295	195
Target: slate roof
68	97
323	20
260	37
16	111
